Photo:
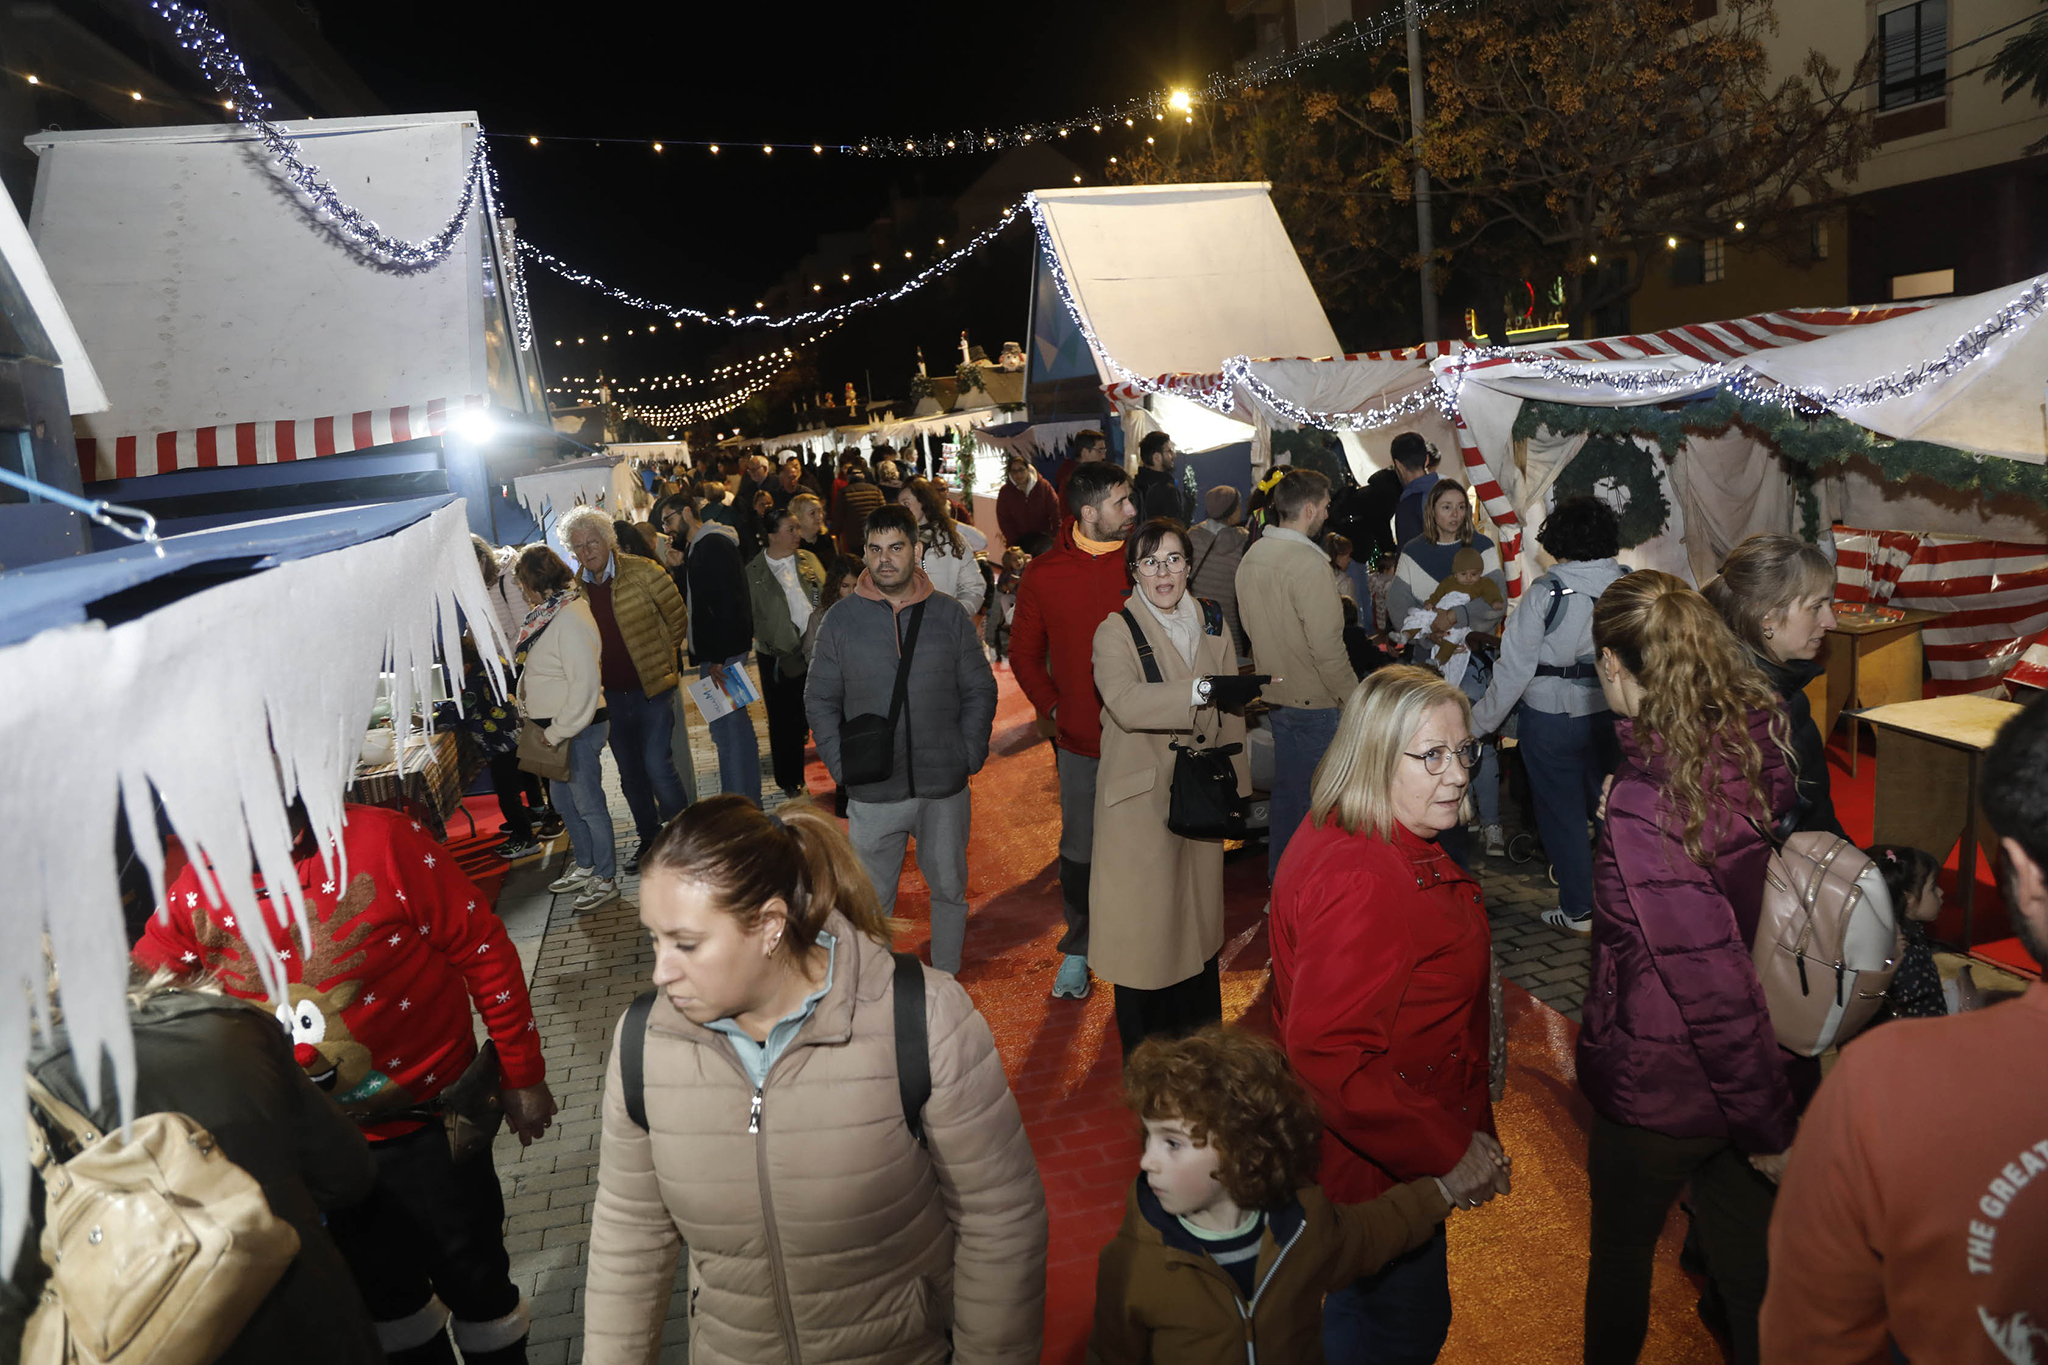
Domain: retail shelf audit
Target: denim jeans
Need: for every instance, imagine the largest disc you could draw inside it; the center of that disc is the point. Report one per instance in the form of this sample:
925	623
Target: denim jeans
580	802
739	748
1567	758
641	729
1300	737
1399	1315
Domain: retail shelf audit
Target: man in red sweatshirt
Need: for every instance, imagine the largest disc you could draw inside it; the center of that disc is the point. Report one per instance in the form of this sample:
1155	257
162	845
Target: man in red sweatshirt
1913	1219
379	1016
1064	596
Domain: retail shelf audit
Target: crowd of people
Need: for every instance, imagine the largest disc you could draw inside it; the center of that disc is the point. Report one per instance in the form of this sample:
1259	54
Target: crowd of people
823	1124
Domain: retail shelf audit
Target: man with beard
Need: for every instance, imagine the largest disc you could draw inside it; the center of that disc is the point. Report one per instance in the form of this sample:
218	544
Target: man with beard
941	714
1912	1223
1065	594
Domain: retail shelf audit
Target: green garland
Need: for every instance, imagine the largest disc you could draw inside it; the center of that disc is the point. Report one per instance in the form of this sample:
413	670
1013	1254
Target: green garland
1632	468
1812	447
920	389
967	379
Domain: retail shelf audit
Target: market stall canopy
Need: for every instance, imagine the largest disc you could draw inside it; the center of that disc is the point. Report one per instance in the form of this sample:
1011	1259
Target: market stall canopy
1169	278
605	481
82	385
269	341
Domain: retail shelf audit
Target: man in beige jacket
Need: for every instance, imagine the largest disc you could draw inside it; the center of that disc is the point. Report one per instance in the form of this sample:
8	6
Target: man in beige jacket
1287	602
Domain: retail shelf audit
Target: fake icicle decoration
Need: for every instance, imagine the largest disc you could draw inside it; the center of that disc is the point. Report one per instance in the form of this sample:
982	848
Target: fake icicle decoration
226	703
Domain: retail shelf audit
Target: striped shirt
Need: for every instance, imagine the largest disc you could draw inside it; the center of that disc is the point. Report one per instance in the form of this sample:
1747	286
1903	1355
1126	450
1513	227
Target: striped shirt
1237	1251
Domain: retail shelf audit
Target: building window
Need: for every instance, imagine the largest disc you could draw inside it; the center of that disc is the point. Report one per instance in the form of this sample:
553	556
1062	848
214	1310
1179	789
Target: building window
1713	261
1688	263
1914	43
1819	241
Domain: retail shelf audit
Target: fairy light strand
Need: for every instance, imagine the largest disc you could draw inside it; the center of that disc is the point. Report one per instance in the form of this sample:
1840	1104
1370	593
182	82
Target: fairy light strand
836	314
1443	390
220	65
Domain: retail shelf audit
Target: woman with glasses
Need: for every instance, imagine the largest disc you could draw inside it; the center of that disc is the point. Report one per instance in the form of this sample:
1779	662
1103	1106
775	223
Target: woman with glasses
1382	963
1167	673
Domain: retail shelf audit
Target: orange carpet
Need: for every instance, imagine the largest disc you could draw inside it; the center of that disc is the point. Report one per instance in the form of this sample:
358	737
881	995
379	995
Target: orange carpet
1517	1266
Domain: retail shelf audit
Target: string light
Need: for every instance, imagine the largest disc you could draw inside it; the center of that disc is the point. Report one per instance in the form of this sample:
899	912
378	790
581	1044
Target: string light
1641	385
834	314
220	65
1154	105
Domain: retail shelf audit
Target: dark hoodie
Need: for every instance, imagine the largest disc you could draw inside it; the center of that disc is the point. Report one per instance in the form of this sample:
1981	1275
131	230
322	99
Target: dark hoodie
1809	745
1160	1297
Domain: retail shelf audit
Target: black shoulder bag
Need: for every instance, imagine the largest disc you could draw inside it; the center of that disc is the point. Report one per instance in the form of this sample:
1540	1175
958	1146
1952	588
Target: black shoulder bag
1204	803
913	1049
867	743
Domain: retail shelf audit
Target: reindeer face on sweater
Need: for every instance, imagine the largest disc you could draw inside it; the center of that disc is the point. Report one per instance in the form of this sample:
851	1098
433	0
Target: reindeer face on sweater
321	1042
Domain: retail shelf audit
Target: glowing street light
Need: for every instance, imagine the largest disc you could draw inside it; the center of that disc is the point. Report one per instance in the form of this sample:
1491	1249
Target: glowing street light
1180	102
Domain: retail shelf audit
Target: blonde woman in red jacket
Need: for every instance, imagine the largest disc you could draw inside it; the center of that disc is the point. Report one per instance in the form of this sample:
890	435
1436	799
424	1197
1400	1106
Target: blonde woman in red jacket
1381	968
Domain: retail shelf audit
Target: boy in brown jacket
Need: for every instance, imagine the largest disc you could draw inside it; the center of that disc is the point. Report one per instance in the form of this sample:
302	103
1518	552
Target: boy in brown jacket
1227	1247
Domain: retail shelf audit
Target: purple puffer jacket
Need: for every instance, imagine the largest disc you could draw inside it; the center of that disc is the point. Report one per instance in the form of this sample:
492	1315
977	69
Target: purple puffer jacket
1676	1035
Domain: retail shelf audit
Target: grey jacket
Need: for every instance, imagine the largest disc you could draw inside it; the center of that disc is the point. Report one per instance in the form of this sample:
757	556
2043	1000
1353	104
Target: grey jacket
1218	552
1524	644
227	1066
943	732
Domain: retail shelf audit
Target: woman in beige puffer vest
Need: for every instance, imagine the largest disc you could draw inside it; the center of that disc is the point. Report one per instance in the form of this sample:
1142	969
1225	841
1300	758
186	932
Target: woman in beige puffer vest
818	1229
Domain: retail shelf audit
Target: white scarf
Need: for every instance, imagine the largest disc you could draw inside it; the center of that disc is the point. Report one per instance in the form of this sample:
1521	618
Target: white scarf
1183	625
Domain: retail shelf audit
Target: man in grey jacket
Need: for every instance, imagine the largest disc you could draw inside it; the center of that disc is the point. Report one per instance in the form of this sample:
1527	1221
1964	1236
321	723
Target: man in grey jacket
941	734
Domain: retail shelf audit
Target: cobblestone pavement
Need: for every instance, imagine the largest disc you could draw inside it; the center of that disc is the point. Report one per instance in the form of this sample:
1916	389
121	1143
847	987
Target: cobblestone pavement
589	967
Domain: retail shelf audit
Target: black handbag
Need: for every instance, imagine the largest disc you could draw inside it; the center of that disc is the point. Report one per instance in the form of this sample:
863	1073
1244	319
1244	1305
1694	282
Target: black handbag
1204	801
867	743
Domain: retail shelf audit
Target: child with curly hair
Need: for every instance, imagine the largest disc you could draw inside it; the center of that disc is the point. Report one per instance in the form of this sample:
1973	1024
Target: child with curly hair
1227	1192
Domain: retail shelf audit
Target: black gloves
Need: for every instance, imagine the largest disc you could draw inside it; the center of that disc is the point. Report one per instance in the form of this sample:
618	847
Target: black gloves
1230	691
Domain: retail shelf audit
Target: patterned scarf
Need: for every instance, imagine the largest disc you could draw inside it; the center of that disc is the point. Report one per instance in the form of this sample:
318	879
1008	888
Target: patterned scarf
537	621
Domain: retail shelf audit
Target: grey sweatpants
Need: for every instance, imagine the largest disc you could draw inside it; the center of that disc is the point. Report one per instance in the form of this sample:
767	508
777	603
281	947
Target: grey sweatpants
881	832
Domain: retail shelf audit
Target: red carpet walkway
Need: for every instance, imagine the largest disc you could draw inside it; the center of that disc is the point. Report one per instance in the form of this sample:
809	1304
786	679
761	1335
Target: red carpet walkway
1517	1266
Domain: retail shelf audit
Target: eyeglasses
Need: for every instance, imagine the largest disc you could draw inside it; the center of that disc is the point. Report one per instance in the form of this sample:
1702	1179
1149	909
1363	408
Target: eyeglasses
1152	567
1434	761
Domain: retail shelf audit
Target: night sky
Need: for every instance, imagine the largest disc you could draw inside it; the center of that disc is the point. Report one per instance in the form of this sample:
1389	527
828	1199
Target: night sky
715	231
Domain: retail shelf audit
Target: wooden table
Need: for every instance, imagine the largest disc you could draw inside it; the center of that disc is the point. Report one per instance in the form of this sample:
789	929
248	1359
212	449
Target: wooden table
1931	759
1870	662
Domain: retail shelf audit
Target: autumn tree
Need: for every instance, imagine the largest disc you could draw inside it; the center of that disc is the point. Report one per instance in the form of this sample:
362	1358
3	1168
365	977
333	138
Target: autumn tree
1557	132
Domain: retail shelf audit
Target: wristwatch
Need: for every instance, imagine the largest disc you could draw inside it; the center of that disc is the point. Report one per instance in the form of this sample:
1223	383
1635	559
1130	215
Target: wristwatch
1203	687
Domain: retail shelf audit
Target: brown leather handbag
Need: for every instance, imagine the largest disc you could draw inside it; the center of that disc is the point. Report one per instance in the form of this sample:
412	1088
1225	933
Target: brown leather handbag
159	1248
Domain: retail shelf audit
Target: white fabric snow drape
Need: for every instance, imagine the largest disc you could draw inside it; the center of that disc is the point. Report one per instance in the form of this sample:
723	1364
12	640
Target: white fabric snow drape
605	481
226	703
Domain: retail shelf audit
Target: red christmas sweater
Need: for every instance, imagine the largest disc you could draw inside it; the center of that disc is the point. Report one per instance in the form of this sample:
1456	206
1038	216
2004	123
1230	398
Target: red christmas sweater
379	1002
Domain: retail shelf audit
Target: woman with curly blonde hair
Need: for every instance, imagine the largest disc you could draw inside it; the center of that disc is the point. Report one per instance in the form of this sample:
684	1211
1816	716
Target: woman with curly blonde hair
1676	1052
1226	1187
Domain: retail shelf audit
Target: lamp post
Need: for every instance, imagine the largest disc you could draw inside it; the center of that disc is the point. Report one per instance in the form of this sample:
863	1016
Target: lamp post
1425	239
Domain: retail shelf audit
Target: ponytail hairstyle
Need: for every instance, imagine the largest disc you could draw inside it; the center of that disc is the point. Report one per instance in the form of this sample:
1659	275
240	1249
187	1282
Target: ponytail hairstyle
1700	686
1906	871
746	859
1765	575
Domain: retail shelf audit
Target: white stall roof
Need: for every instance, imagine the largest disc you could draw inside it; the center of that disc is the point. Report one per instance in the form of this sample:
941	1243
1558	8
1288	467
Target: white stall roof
81	382
1177	277
206	295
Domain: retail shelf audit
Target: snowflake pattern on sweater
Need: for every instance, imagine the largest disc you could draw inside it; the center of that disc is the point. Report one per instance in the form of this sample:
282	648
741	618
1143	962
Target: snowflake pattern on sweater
378	1009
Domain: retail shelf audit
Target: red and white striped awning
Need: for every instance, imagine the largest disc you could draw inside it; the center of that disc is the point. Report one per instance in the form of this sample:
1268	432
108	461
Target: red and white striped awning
253	443
1992	596
1710	343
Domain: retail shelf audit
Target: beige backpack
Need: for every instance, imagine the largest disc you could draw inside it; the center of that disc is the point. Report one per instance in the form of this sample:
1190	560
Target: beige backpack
1828	941
159	1247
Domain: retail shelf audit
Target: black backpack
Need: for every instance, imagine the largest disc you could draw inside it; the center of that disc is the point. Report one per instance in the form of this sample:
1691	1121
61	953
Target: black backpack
913	1049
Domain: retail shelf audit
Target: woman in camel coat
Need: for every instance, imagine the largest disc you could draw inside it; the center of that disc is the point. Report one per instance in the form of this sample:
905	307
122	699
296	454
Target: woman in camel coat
1158	898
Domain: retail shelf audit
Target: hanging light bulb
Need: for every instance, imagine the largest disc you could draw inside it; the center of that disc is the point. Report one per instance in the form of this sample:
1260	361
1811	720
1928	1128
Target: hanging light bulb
1180	101
531	142
818	147
657	146
714	149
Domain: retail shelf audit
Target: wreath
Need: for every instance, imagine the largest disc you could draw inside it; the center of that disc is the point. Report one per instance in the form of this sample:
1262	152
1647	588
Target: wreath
967	379
1644	511
920	388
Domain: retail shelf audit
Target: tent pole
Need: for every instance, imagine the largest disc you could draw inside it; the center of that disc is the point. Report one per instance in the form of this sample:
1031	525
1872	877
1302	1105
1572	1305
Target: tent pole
1424	236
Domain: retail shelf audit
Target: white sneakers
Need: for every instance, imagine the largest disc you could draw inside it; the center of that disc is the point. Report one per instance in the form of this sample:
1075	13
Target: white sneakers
573	879
598	891
1496	843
